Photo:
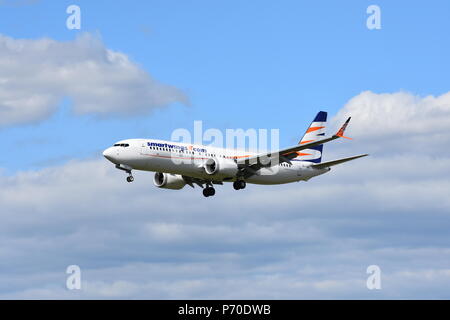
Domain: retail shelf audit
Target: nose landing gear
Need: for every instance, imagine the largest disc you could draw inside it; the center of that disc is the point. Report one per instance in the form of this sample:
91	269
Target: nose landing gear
127	169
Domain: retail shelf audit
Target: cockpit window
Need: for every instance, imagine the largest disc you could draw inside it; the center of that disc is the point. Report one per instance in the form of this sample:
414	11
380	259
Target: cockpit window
121	145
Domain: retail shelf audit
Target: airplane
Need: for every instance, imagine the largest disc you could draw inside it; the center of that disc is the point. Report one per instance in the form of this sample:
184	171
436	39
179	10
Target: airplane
179	164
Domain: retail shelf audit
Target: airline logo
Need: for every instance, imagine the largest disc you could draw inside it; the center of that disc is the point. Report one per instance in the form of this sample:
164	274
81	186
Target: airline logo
175	147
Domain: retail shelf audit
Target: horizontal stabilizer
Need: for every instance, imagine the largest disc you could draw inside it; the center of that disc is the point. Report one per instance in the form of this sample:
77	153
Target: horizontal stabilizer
335	162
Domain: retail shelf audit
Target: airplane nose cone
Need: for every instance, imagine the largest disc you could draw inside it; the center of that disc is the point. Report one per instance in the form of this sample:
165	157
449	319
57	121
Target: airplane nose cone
108	154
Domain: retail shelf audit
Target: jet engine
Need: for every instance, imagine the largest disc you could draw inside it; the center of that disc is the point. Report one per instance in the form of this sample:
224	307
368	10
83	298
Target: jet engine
221	167
168	181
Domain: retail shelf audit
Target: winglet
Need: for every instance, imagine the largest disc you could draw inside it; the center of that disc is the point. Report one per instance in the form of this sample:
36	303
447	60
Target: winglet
340	133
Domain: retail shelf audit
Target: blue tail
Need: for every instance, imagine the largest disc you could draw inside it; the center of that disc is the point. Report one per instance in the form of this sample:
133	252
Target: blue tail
315	131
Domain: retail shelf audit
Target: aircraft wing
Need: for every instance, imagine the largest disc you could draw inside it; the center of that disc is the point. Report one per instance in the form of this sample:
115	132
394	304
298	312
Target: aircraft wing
269	159
191	181
335	162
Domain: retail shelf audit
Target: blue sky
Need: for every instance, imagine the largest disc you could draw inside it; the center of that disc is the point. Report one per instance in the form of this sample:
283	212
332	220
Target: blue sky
143	69
243	65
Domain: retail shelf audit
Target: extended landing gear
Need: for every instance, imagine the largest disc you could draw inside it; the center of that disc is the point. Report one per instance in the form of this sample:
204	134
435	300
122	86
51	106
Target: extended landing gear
127	169
209	191
239	184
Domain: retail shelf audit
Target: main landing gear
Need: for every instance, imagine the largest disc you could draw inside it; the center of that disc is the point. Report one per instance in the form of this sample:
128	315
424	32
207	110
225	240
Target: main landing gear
239	184
209	191
130	178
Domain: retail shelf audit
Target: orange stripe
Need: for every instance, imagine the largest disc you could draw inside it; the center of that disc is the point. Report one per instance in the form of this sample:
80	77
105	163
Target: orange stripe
169	157
311	129
191	158
298	154
306	141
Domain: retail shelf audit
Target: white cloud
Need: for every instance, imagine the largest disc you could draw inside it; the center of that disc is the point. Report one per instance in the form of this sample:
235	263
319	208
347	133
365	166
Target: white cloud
36	74
302	240
398	113
390	123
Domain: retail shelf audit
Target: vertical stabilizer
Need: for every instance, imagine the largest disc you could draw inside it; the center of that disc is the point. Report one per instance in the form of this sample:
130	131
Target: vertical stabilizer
315	132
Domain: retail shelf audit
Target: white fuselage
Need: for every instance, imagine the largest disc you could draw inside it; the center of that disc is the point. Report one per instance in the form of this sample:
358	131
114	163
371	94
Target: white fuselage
189	160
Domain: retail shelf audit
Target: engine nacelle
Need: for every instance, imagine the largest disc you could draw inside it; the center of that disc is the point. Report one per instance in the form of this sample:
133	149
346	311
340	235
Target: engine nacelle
168	181
221	167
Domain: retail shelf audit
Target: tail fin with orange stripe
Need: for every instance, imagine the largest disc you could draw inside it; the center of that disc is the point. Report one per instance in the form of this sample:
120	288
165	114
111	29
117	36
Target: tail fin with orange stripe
315	132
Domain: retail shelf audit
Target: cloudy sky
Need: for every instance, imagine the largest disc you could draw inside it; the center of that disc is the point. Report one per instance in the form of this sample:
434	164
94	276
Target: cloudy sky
143	70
